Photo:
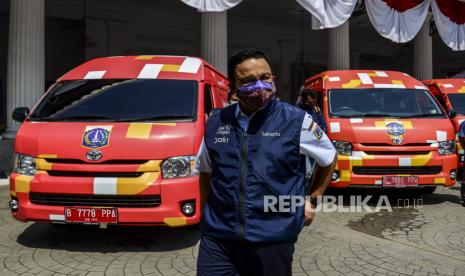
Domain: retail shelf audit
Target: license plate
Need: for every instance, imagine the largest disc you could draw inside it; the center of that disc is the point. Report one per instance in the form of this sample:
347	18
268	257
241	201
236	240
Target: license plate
400	181
91	215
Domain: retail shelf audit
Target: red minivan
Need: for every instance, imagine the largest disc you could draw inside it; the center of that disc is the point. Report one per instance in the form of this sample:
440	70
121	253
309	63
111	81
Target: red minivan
114	141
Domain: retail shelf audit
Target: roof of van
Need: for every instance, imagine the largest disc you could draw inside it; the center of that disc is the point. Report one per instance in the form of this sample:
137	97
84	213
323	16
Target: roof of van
448	86
358	79
143	67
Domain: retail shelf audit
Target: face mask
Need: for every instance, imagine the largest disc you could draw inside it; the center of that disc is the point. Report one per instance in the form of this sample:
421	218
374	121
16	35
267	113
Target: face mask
257	94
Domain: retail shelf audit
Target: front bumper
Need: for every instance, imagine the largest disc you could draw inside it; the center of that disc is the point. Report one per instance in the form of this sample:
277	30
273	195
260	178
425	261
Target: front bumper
173	192
348	178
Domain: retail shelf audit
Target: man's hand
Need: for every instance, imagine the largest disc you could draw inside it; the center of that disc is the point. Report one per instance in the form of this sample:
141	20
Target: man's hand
309	213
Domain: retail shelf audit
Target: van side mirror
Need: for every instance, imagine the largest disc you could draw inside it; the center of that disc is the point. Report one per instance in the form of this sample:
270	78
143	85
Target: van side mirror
20	114
451	113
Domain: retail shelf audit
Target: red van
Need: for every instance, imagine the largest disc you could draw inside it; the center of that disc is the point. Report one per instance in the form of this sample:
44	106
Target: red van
114	141
451	95
388	130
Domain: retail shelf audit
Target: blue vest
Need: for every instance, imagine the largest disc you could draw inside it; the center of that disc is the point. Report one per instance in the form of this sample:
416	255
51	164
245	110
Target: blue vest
246	166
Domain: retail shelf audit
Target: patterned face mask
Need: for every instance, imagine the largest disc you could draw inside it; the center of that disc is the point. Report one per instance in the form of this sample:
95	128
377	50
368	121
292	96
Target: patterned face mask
257	94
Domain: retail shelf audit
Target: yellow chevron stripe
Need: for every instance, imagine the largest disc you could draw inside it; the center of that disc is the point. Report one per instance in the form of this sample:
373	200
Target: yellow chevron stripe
139	130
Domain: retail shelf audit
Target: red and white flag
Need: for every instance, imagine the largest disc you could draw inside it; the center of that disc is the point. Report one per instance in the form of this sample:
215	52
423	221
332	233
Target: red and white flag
328	13
212	5
449	16
396	20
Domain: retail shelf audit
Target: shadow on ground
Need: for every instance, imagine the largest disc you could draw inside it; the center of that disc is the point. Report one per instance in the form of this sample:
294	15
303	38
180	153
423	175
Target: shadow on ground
89	238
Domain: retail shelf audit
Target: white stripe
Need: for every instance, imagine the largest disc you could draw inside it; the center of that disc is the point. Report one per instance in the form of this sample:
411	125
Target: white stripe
150	71
441	135
448	85
387	85
460	151
356	155
419	87
378	182
356	120
104	186
434	145
56	217
334	79
94	75
365	78
381	74
335	127
190	65
405	162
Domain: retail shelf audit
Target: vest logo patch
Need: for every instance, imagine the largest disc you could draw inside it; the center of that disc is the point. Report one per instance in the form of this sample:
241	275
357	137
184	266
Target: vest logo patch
270	134
223	131
318	133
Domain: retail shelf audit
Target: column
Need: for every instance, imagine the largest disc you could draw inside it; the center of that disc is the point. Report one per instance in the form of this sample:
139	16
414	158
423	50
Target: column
214	39
26	58
423	53
339	48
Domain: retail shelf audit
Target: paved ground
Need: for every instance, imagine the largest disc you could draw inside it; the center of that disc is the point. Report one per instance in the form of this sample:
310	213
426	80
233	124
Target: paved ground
409	241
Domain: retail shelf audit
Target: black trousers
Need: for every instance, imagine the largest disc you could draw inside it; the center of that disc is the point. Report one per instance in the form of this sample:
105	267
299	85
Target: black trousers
231	257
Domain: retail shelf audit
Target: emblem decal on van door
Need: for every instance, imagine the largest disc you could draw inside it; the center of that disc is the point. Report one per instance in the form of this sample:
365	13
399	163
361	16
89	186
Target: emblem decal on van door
96	137
396	130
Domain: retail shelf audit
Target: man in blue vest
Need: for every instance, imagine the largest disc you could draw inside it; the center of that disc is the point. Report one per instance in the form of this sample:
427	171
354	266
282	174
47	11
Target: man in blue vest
252	156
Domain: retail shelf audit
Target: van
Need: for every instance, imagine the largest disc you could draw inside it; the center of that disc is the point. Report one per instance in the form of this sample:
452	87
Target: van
450	93
388	130
114	141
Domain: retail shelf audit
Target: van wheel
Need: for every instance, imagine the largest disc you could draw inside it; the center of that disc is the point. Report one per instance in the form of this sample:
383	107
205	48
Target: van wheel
428	190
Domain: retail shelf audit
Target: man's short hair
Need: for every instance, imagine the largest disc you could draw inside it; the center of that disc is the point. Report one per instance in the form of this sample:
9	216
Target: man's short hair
238	58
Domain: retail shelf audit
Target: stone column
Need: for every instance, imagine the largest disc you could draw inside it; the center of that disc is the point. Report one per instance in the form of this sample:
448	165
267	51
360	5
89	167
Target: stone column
26	58
339	48
214	39
423	53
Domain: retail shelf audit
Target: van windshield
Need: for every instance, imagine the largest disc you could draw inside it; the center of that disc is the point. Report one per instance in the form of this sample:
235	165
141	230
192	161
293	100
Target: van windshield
119	100
383	102
458	103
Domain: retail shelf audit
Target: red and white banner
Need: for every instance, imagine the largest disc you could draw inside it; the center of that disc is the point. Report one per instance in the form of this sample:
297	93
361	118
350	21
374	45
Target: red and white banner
449	16
212	5
396	20
328	13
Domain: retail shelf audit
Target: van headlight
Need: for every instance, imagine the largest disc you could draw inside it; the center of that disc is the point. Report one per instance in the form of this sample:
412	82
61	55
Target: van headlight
342	147
24	164
182	166
446	147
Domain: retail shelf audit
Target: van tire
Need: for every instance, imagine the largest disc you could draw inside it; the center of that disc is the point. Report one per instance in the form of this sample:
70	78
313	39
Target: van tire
428	190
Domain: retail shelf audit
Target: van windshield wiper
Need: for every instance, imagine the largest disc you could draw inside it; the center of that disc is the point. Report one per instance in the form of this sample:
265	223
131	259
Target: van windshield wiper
155	118
375	115
426	115
72	118
366	115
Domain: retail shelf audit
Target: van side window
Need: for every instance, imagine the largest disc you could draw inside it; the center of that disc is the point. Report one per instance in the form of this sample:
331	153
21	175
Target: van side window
207	100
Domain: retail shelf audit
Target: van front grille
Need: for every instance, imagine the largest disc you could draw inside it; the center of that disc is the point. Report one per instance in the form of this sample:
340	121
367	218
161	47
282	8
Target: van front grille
396	170
94	174
132	201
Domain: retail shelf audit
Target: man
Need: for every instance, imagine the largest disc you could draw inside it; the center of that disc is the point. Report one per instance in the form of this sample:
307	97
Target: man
308	102
461	135
252	151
